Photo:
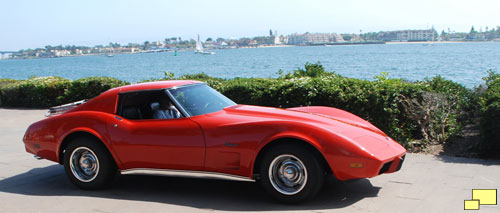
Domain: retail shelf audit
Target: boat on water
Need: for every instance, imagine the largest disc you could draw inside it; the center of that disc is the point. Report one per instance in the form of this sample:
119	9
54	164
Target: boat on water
111	53
199	48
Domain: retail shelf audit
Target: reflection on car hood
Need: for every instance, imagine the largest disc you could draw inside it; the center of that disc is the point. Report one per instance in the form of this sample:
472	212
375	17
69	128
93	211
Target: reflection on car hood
339	122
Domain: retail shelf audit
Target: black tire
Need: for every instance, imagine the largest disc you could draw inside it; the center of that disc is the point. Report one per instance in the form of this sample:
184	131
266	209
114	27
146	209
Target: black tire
99	168
294	156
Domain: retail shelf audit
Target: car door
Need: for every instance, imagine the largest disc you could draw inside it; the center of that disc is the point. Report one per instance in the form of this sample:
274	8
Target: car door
158	143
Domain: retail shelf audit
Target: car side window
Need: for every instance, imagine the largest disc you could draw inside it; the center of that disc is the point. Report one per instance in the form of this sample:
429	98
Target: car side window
142	105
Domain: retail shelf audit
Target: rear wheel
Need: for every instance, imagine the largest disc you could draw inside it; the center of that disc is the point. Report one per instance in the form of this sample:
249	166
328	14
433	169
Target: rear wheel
291	173
88	165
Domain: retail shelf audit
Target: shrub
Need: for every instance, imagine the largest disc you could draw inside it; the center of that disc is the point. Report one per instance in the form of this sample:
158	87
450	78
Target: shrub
87	88
439	109
6	81
42	92
490	116
34	92
310	70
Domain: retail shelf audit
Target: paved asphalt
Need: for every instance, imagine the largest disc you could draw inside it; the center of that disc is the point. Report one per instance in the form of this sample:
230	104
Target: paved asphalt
426	183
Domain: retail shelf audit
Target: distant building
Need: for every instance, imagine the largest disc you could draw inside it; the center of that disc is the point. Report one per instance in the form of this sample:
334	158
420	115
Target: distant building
477	37
407	35
276	39
314	38
284	39
252	42
5	56
43	54
209	44
60	53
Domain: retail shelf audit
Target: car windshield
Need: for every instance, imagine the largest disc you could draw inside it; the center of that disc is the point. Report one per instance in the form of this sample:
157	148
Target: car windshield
199	99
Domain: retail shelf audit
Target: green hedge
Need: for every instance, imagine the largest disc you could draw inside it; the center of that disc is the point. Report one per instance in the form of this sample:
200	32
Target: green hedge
43	92
490	116
34	92
87	88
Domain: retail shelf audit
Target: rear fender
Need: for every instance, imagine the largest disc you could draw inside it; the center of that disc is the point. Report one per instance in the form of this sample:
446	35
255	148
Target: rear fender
89	125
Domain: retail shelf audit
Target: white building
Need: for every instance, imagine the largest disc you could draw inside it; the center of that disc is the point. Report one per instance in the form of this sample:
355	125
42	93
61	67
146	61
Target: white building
314	38
4	56
408	35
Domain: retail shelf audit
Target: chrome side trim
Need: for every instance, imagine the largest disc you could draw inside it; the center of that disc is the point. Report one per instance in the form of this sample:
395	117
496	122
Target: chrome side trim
186	173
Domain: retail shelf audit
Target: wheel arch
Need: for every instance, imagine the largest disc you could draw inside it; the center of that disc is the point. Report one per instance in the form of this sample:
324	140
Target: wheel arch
292	141
87	134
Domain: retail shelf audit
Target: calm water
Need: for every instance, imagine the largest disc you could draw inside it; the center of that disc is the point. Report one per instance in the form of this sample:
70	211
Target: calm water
465	63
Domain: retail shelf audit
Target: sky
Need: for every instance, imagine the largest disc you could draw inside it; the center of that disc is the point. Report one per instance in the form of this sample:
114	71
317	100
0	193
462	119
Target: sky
34	23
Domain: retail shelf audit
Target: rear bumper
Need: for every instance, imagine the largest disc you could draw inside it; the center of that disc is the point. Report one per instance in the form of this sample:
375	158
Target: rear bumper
41	149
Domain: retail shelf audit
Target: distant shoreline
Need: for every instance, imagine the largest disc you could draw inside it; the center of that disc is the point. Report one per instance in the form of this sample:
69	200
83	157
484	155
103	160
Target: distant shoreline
435	42
264	46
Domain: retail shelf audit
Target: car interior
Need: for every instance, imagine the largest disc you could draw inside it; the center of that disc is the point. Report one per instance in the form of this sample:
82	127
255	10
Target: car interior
140	105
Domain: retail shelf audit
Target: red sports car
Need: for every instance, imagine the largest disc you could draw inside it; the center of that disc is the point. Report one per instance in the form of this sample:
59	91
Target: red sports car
187	127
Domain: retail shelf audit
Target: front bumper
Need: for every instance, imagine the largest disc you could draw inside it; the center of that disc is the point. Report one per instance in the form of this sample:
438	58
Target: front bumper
371	167
392	166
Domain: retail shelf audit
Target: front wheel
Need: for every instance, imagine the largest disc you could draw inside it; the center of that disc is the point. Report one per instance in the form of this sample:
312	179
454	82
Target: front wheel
291	173
88	165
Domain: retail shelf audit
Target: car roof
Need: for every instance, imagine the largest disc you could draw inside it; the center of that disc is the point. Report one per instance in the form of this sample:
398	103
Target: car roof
106	101
152	85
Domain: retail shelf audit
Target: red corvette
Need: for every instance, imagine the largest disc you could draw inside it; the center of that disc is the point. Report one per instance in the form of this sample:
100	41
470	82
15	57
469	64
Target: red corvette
187	127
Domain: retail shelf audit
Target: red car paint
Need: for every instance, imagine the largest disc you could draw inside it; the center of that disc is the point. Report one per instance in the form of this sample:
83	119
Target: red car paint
226	141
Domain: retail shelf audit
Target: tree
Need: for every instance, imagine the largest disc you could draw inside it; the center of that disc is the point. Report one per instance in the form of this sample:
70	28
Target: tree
209	39
472	30
114	45
147	45
445	36
347	37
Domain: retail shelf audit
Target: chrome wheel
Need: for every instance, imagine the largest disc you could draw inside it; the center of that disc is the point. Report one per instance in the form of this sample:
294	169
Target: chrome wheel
84	164
287	174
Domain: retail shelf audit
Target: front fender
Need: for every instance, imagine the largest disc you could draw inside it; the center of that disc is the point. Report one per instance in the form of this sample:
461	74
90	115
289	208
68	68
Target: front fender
299	131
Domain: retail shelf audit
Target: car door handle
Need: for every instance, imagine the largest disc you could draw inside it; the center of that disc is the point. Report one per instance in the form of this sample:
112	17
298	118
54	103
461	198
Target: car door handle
118	118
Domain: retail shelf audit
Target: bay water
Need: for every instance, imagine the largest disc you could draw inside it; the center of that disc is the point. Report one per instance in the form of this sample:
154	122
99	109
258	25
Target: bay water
465	63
